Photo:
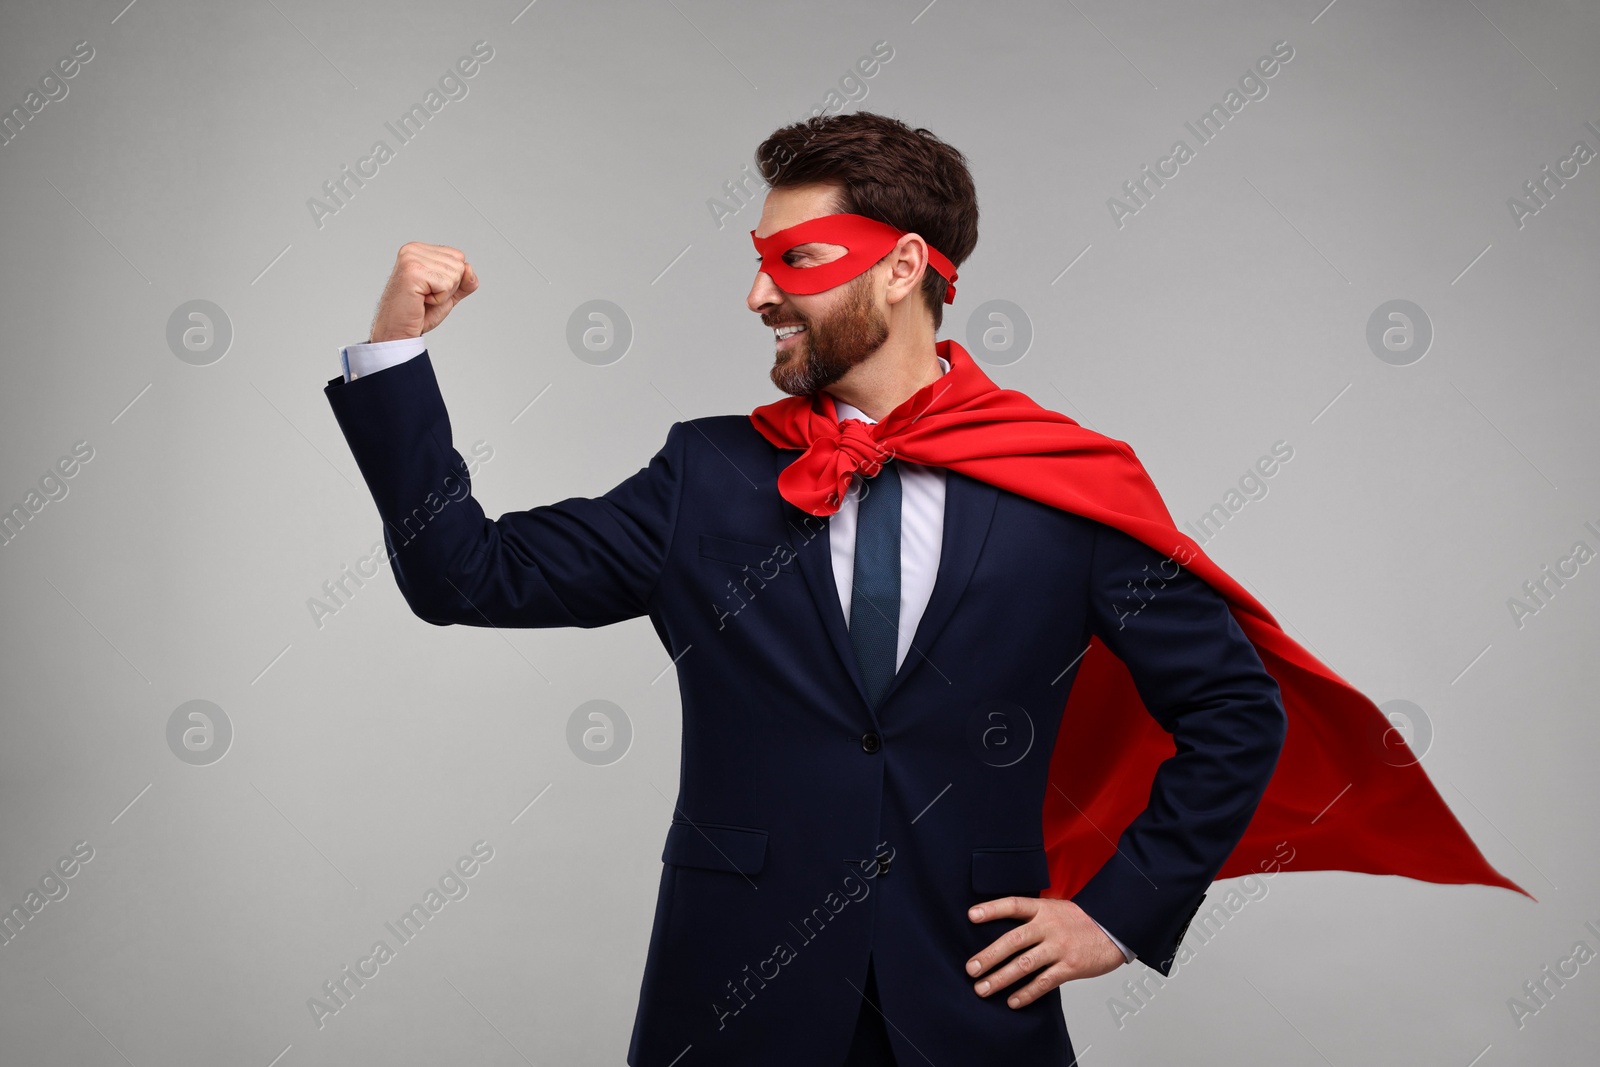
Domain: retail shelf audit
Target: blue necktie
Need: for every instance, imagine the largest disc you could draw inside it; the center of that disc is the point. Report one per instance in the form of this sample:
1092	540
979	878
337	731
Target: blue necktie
875	596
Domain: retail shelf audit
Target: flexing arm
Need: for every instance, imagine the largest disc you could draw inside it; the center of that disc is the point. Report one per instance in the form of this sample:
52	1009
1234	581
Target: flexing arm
578	562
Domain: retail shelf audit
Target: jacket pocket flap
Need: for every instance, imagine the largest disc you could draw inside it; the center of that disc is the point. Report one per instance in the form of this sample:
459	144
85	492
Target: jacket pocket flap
722	848
758	556
1000	872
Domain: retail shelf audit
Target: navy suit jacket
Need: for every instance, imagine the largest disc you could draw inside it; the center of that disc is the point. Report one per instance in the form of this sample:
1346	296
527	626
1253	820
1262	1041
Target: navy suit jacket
810	829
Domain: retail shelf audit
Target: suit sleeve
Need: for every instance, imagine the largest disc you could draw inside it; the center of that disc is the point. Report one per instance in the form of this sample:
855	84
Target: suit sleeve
579	562
1203	681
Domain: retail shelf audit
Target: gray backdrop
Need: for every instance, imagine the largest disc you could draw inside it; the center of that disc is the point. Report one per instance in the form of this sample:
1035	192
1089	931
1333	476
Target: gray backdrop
1442	456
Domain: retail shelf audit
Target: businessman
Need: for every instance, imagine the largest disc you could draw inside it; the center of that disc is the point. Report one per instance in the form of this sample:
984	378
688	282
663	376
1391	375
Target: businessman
873	647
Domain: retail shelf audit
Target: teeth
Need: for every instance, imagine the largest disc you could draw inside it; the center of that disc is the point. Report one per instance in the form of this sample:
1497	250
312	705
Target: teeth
786	331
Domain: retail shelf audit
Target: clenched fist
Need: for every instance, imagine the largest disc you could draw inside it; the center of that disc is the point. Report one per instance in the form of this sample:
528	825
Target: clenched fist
428	281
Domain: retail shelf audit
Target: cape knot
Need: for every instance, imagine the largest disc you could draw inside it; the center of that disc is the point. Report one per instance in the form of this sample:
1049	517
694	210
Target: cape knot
865	453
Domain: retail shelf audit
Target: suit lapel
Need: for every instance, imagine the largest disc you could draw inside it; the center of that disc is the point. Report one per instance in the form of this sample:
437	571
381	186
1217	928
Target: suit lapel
968	510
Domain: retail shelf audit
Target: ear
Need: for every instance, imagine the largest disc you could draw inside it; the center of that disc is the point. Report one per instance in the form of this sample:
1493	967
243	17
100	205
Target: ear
907	260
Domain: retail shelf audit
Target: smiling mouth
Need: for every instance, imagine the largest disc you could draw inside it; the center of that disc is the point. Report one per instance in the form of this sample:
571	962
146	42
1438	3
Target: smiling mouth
784	335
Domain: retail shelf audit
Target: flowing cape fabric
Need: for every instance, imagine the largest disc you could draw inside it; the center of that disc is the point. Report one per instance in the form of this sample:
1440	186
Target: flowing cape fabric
1348	792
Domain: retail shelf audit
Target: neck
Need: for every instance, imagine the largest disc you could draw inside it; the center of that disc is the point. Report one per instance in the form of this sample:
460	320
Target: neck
882	382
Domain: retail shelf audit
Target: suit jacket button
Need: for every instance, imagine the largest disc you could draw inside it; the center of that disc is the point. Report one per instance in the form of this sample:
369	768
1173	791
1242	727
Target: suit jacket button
871	742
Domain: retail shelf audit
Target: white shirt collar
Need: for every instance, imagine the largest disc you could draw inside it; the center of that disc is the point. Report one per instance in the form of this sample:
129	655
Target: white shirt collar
850	411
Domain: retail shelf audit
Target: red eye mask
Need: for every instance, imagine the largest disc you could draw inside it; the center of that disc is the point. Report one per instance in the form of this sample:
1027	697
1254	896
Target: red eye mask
868	241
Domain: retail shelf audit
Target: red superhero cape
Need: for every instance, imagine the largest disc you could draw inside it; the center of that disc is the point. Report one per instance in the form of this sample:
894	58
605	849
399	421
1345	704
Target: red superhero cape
1334	795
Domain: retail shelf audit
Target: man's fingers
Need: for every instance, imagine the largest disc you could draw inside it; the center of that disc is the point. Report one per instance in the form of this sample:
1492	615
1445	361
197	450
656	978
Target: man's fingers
1004	908
1041	984
431	253
435	278
1008	943
443	278
435	260
1031	959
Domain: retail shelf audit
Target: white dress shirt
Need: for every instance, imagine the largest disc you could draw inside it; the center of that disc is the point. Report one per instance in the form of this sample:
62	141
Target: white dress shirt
921	513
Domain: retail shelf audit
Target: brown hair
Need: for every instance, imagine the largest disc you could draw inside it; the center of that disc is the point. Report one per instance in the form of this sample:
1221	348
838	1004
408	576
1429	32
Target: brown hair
890	172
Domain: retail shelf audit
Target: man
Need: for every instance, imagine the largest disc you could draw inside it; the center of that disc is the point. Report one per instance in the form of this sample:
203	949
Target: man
853	868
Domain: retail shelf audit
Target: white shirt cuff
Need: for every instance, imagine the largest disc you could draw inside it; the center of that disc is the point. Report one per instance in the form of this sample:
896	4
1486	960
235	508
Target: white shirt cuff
1127	954
357	360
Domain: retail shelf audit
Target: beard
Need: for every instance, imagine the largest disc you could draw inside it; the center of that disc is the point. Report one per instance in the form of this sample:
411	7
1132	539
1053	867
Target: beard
829	347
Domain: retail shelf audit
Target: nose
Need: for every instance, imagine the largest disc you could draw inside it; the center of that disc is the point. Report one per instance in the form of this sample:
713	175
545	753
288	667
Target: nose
764	294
